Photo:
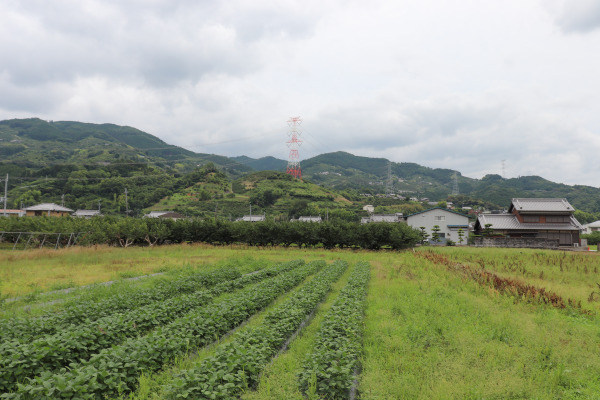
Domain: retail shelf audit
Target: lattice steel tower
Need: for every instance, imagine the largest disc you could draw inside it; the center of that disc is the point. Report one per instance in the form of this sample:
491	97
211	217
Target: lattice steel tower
455	191
293	167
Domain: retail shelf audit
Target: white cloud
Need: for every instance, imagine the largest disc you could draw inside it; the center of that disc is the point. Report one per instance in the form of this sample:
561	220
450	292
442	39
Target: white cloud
461	84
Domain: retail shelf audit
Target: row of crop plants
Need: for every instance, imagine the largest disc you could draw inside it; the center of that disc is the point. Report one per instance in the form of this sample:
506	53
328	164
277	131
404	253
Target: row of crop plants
236	366
79	342
28	328
114	371
329	369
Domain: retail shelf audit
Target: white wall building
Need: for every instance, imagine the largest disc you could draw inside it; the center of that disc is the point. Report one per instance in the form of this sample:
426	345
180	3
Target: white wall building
591	227
449	222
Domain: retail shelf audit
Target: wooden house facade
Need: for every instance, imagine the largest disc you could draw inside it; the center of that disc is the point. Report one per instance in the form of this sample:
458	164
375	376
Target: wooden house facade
549	218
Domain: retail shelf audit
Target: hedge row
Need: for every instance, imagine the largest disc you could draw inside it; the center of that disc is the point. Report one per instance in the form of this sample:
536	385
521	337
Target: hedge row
77	312
115	371
328	371
236	366
128	231
79	342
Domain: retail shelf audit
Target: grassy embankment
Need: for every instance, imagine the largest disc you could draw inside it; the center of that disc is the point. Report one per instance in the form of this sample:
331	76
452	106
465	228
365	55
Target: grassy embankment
430	331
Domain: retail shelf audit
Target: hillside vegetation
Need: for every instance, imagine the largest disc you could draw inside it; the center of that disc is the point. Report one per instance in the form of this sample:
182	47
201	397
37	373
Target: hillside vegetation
88	163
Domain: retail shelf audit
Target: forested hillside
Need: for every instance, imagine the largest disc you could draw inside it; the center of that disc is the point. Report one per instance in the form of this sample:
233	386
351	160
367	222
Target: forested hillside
86	164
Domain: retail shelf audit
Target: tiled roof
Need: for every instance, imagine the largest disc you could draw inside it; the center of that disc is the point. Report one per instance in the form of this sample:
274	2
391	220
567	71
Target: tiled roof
437	208
595	224
252	218
48	207
156	214
86	213
510	222
541	205
310	219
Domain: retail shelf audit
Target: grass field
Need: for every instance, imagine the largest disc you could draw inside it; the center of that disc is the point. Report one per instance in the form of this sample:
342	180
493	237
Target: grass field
439	323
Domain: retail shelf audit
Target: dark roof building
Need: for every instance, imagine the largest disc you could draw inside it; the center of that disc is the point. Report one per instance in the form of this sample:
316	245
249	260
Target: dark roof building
534	218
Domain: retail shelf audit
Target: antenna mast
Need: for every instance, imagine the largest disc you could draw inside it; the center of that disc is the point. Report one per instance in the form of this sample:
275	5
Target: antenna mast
293	167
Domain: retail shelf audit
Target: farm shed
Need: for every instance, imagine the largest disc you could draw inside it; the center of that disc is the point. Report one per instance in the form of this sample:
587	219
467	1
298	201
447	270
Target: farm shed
549	218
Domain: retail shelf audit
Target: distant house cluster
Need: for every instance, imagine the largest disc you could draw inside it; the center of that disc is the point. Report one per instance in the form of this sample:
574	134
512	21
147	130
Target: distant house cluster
55	210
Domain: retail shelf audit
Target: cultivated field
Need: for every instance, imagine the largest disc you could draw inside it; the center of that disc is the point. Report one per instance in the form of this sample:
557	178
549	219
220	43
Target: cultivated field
274	323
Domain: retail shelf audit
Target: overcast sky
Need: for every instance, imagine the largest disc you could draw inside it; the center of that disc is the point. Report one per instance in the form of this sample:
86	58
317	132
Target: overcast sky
460	84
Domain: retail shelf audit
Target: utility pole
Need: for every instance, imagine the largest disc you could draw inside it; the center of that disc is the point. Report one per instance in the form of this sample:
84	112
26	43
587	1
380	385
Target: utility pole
62	199
250	210
5	194
327	217
99	205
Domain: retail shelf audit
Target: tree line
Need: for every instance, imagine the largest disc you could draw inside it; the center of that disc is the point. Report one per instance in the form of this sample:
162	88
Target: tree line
124	232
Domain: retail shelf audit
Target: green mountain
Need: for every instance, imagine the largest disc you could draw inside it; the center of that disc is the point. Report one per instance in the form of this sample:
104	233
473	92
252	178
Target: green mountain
35	143
276	194
262	164
343	171
88	163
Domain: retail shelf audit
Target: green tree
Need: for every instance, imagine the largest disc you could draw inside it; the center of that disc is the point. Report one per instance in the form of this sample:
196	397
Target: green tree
423	234
29	198
435	233
461	235
487	230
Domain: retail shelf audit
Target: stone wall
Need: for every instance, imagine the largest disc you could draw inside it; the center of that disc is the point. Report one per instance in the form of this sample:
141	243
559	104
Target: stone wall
532	243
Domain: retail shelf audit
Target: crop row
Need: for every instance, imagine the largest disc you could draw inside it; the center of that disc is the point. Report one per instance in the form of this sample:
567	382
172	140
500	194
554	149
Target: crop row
236	366
328	371
79	342
26	329
115	371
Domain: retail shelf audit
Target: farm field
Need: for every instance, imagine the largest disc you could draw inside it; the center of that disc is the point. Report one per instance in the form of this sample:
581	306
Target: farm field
224	322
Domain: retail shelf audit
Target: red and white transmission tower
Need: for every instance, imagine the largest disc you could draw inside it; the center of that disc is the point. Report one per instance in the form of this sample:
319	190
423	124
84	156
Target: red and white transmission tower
293	167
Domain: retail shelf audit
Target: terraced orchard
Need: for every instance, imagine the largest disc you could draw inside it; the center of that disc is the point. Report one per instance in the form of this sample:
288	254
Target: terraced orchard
429	323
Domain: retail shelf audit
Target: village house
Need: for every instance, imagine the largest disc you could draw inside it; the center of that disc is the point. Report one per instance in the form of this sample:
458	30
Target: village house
87	214
449	224
374	218
310	219
165	215
47	209
591	227
252	218
12	213
534	218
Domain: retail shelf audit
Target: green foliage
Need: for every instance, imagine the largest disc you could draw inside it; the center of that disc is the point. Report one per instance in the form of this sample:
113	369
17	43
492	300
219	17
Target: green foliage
236	366
592	238
125	232
114	371
328	371
75	313
29	198
435	233
78	342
